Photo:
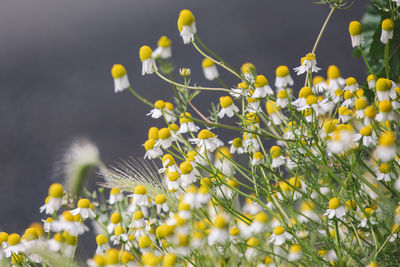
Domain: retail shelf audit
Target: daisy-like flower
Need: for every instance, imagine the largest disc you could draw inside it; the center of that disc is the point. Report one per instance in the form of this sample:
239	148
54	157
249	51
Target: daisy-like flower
259	223
115	196
386	150
228	108
335	80
152	150
148	62
262	88
318	104
251	122
253	105
385	90
173	182
349	99
187	26
258	158
15	245
165	138
206	141
282	99
345	114
336	209
55	243
119	236
369	115
307	212
219	232
337	96
54	200
351	85
163	49
308	63
251	251
367	135
85	209
251	207
274	112
189	174
360	105
249	72
356	33
157	111
70	223
279	236
384	172
115	219
319	85
241	90
301	103
295	252
121	81
283	78
203	195
145	243
48	224
169	112
190	197
371	81
342	139
277	157
250	143
387	30
161	203
139	196
187	124
138	221
169	164
236	146
385	111
102	244
209	69
396	233
184	72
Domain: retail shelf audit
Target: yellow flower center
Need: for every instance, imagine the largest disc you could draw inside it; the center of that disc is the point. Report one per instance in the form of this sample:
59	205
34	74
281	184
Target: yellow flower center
383	85
118	71
159	104
275	151
56	190
360	103
225	101
115	218
164	41
366	131
84	203
385	106
173	176
164	133
206	63
261	81
384	168
334	203
219	221
205	134
355	28
101	239
145	53
282	71
386	139
14	239
140	190
387	25
333	72
247	68
153	133
185	118
279	230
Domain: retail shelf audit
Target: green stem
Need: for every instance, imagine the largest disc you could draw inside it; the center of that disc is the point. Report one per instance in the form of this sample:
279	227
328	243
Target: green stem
387	59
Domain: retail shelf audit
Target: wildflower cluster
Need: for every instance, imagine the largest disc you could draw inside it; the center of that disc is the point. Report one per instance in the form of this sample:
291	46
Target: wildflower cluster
311	179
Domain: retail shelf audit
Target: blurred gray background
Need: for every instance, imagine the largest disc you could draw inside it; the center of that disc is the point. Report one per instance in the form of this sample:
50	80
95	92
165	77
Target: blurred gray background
55	83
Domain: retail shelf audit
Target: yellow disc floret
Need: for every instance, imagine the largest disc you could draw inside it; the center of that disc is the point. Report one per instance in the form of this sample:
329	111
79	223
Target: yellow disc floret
145	53
206	63
164	41
387	25
334	203
56	190
355	28
140	190
333	72
385	106
205	134
225	101
118	71
282	71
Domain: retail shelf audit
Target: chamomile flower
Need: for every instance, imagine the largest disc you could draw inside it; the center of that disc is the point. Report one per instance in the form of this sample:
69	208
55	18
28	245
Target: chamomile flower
148	62
241	90
187	26
345	114
386	150
161	203
385	111
121	81
279	236
219	232
342	140
356	33
274	112
187	124
251	251
351	85
228	108
308	63
335	80
307	212
259	223
169	164
385	173
258	158
251	207
157	111
369	115
283	78
301	102
115	219
396	233
152	150
163	49
249	72
85	209
115	196
236	146
253	105
102	244
282	99
250	143
139	196
367	135
55	243
206	141
189	174
209	69
336	209
277	157
203	195
295	252
173	181
262	88
15	245
222	161
165	138
70	223
54	200
360	105
48	224
349	99
319	85
387	30
371	81
385	90
119	235
169	112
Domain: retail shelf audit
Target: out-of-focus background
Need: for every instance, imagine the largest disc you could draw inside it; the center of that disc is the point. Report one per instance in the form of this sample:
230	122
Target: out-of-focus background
55	83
